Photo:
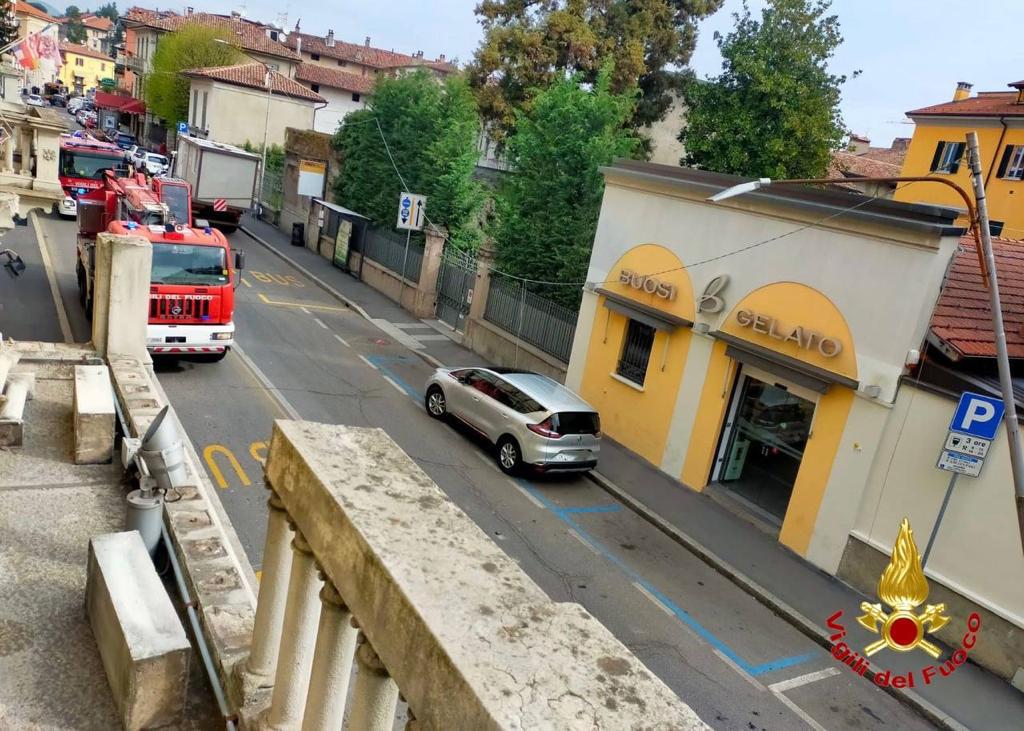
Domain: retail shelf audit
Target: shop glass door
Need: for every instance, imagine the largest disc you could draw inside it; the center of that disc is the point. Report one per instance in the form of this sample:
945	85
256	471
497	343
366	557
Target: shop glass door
765	442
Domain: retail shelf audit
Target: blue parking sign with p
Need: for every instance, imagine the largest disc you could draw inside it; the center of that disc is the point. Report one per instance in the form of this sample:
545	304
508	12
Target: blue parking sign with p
977	415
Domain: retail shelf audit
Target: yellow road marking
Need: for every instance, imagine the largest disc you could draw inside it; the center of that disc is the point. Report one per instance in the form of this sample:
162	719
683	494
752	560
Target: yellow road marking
258	450
210	451
245	282
267	301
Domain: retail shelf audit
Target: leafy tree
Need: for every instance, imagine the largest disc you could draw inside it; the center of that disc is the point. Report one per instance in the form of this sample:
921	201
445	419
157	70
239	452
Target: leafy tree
548	208
192	47
74	30
431	131
8	23
530	44
774	109
109	11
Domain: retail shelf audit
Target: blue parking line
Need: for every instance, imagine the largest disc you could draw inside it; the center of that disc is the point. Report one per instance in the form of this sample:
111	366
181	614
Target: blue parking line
380	360
564	514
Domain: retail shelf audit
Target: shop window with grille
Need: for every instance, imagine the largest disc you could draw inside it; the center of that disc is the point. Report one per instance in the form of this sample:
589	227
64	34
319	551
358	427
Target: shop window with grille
636	352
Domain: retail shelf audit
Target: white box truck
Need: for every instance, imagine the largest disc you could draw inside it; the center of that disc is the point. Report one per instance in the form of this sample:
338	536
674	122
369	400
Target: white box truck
223	179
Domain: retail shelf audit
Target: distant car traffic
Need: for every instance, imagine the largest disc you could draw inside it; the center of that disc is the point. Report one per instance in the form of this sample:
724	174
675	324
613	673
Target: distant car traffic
532	420
152	164
34	100
124	140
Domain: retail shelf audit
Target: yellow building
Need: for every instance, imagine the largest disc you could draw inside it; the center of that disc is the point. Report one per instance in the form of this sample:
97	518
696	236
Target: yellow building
787	353
83	67
939	148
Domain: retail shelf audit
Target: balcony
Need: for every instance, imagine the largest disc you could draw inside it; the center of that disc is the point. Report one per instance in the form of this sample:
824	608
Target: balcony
444	628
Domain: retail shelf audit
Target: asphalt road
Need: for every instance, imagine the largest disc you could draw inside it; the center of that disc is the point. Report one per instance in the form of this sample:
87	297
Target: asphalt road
303	353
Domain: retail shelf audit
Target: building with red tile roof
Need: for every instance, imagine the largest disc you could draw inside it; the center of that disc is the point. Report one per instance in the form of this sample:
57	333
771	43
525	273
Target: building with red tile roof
325	76
938	148
253	76
354	56
250	36
24	9
961	325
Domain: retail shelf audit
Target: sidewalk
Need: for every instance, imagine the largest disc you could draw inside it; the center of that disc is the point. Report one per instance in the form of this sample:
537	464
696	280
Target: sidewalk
755	561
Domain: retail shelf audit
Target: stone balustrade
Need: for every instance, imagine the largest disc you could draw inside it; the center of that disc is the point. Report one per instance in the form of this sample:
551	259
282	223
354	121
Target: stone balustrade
368	561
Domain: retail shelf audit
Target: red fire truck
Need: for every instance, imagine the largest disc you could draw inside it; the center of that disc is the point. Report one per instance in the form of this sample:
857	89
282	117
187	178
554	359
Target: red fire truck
83	161
192	297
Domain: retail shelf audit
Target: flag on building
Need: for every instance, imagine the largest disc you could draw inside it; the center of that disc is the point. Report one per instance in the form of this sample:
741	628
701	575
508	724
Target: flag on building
39	48
25	55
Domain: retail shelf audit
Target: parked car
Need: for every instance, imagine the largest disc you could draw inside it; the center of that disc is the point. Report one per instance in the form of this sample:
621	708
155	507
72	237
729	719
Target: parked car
124	140
532	420
34	100
75	104
58	100
151	163
90	120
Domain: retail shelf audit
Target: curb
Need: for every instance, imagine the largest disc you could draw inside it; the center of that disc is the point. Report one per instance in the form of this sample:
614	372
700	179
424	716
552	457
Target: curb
812	630
427	357
804	625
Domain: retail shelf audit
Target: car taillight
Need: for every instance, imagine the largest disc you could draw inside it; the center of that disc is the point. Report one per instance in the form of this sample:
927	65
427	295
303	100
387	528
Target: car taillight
544	429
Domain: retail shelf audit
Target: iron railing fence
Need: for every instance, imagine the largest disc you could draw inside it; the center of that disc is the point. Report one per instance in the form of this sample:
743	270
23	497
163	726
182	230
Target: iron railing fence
387	248
542	323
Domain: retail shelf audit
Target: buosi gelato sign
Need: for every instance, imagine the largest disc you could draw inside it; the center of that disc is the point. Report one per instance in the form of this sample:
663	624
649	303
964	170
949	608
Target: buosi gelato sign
804	337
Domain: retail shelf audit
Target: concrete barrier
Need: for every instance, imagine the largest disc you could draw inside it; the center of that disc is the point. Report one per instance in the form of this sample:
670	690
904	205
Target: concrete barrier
141	641
93	415
12	408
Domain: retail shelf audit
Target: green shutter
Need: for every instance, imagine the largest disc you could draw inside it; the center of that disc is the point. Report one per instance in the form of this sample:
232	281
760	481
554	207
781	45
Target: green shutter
937	156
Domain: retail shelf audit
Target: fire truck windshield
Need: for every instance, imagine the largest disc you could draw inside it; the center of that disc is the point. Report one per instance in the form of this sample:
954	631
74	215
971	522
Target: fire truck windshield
189	265
176	198
90	166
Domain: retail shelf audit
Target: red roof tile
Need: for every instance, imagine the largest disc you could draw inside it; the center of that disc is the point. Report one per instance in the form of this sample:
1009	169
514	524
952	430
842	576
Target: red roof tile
249	35
97	22
26	9
985	104
363	54
74	48
336	78
962	316
852	165
253	76
141	15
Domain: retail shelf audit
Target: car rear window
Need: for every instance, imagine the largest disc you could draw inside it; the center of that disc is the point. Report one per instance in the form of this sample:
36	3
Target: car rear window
576	422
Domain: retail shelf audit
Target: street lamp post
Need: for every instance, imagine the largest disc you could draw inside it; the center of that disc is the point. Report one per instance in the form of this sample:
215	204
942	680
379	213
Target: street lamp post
977	213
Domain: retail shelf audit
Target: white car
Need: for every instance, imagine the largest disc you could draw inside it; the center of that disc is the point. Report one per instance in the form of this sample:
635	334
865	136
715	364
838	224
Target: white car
34	100
74	104
150	163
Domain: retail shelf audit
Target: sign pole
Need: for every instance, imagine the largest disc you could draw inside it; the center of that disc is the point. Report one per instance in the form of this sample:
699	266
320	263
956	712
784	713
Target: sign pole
1002	359
938	518
405	260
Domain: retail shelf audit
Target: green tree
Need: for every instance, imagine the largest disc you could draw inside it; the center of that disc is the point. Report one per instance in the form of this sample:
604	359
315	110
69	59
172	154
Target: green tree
530	44
8	23
548	209
74	30
109	11
774	109
192	47
431	131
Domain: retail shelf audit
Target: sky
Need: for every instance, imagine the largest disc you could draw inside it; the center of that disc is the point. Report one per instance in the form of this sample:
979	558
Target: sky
911	52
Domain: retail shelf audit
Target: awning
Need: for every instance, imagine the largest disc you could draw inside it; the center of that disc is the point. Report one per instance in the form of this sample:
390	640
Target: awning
339	209
120	103
802	374
640	312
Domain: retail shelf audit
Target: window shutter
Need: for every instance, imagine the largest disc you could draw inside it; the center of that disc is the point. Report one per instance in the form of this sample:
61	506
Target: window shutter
956	158
1004	163
937	156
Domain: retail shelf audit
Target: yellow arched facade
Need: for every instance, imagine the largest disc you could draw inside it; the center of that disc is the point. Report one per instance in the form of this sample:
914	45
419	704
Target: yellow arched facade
637	415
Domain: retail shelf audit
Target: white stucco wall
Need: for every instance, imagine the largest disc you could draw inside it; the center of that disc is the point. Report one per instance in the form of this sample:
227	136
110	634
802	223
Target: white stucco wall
237	115
339	103
977	551
884	282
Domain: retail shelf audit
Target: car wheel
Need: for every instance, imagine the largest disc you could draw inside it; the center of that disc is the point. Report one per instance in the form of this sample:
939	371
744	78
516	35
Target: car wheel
510	457
435	402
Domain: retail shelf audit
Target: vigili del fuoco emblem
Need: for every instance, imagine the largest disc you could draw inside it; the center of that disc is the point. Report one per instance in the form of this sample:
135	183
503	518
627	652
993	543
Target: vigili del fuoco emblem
904	588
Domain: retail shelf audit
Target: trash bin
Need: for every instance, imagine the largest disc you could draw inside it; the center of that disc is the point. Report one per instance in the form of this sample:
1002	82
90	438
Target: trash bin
298	234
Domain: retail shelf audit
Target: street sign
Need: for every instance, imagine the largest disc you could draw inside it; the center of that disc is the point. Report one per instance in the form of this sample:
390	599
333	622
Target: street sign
977	415
182	128
412	210
962	464
969	445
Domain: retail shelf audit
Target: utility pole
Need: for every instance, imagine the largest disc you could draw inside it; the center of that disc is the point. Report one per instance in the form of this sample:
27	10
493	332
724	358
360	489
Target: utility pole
1002	359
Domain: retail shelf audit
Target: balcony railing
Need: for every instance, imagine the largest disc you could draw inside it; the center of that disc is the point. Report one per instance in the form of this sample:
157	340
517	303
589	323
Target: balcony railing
385	571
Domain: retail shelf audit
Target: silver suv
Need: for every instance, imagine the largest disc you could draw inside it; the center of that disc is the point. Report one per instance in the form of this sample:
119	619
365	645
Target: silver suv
531	419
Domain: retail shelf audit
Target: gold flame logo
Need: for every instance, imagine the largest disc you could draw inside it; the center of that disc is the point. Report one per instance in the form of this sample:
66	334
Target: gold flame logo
903	587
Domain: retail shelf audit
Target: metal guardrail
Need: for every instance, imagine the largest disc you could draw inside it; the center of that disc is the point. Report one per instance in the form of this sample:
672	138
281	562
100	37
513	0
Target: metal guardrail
530	317
388	249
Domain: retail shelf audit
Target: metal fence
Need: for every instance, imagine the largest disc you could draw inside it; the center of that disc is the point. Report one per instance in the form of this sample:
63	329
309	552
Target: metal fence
538	321
272	194
387	248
